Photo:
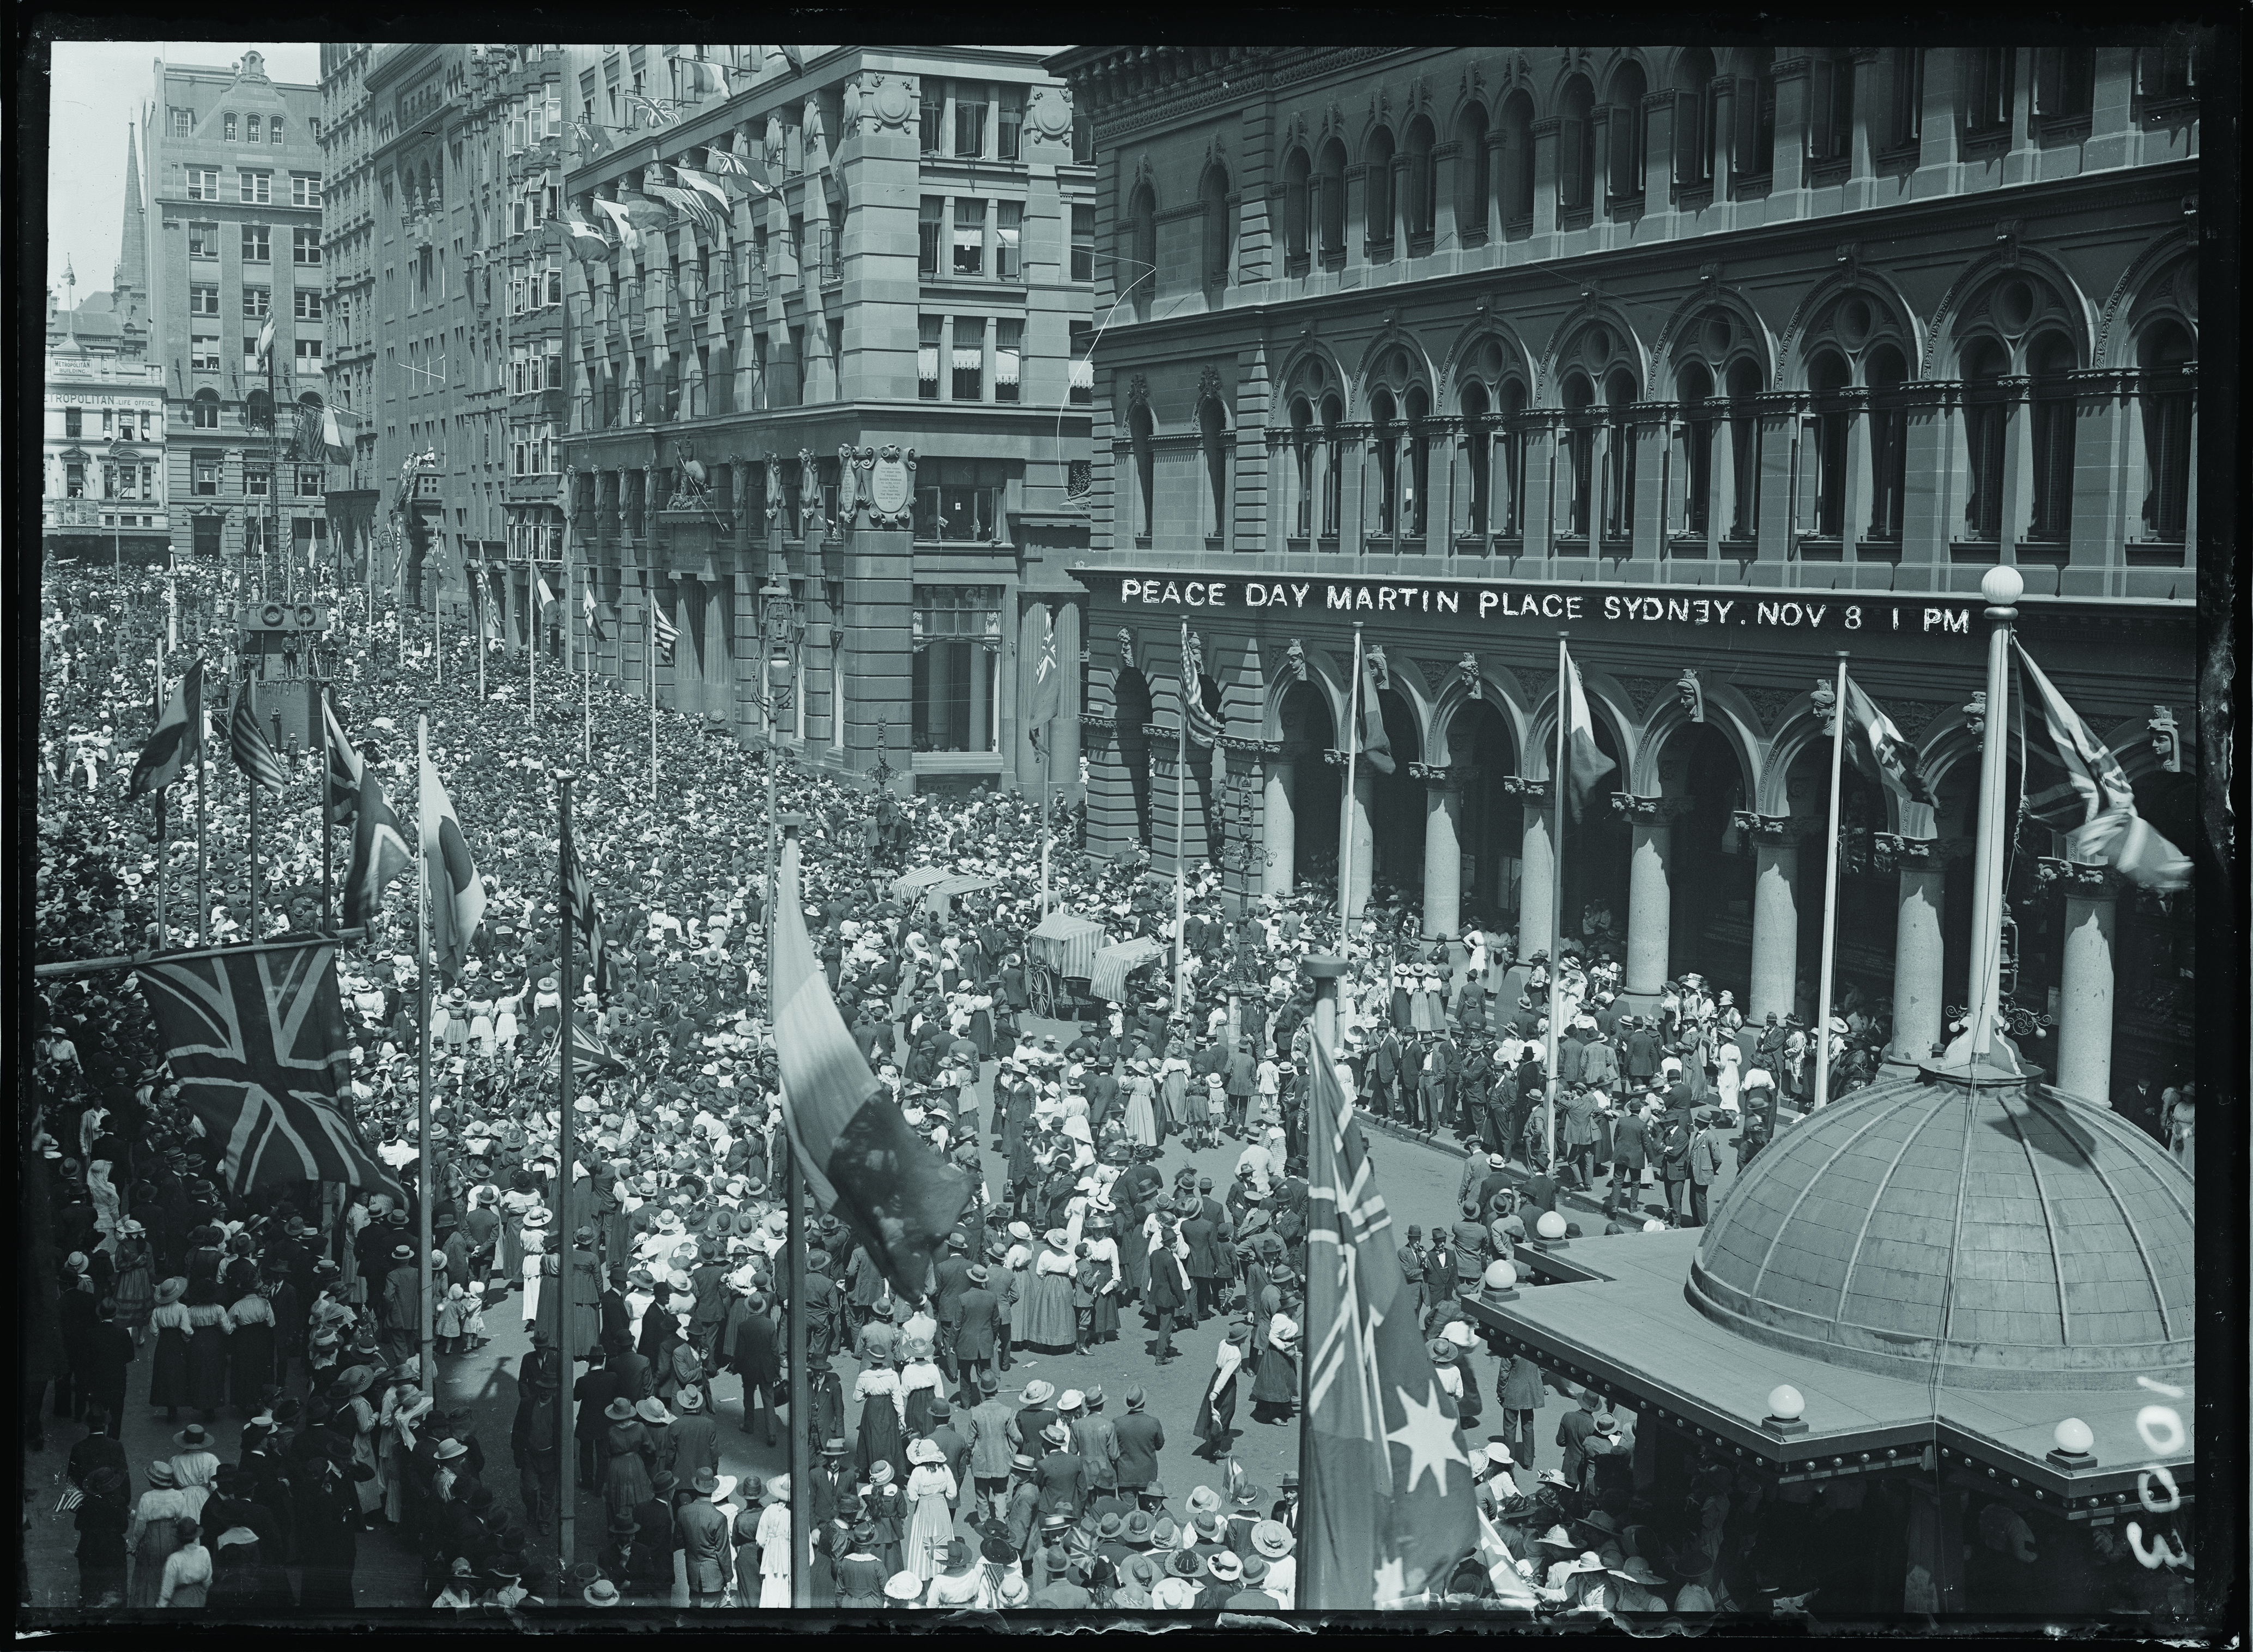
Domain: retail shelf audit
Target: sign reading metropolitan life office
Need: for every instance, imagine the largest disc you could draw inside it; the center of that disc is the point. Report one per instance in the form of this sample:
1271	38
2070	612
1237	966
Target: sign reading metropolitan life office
1504	604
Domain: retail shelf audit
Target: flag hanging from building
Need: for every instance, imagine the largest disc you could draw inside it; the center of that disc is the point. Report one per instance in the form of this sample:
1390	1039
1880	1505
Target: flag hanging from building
1045	702
863	1163
339	431
379	853
751	170
588	244
253	752
666	632
629	237
1880	751
256	1040
344	766
1584	764
700	75
1382	1517
176	742
458	897
704	185
647	105
2074	786
266	339
1203	727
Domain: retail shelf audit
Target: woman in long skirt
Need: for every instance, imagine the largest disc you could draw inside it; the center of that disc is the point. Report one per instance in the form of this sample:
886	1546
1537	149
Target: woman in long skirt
1141	1120
1045	1317
1105	1281
883	1416
209	1328
887	1508
168	1370
773	1538
921	1381
626	1446
930	1518
152	1534
1276	1382
1173	1087
135	1288
1216	1417
250	1350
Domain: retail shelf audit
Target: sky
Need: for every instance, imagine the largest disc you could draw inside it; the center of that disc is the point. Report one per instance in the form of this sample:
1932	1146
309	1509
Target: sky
99	89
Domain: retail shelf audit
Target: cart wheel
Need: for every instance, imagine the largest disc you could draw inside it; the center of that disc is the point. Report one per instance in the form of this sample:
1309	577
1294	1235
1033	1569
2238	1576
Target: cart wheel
1042	995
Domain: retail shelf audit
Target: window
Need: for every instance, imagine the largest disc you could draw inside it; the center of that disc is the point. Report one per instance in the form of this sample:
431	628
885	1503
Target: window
1830	118
257	188
305	189
969	361
969	237
257	245
956	635
958	500
311	482
206	473
252	136
1379	174
1420	208
1986	412
1009	131
930	222
1580	454
1909	95
257	301
309	355
931	115
184	122
203	301
1142	433
73	479
1694	389
1083	140
929	338
274	130
1140	274
969	126
1628	130
1299	211
227	125
1987	71
1755	155
2165	355
108	421
305	246
836	360
73	422
1082	369
2167	74
2050	362
1576	146
1693	118
1219	227
203	241
309	303
203	183
1474	177
1008	223
2064	79
1008	348
253	482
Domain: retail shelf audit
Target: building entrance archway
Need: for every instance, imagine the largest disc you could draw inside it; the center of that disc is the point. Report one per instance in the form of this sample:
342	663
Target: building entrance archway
1303	783
1493	830
1130	695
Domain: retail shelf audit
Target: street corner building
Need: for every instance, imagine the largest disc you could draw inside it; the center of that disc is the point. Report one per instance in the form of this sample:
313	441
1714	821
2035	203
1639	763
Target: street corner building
1720	361
822	392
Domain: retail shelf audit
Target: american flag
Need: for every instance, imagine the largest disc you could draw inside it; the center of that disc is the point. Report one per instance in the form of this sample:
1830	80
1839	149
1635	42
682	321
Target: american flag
666	631
254	753
1382	1517
256	1040
1203	727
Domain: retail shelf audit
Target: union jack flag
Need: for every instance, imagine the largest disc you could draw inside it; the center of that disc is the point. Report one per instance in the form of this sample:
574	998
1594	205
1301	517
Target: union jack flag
590	1056
257	1042
586	921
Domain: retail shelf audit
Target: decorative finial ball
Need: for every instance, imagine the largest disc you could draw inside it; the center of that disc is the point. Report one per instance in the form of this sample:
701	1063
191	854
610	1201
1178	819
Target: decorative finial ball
1784	1402
2074	1437
2002	587
1551	1225
1501	1276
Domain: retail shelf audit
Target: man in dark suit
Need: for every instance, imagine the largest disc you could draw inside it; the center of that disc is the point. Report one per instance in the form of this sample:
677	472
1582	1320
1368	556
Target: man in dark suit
977	1325
593	1392
1641	1052
1386	1059
1141	1437
953	1278
756	1356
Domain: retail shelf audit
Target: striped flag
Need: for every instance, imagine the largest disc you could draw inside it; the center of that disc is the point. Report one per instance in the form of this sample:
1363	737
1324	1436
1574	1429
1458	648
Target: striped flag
253	752
266	338
1584	764
590	1056
666	632
629	237
594	615
547	595
699	75
1203	727
588	244
899	1199
338	432
1882	752
379	854
256	1040
343	767
176	739
2076	786
1382	1518
457	898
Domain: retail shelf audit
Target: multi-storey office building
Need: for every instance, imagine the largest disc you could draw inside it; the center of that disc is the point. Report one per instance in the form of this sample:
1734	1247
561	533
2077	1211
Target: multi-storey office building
234	187
102	487
1722	361
347	133
826	338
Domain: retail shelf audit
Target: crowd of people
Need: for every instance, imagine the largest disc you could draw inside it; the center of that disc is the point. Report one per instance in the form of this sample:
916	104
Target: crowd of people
298	1308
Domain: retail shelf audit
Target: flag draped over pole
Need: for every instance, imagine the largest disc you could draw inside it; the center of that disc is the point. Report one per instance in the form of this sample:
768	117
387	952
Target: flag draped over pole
2074	786
586	923
1586	764
1382	1518
378	853
1042	706
863	1162
457	898
667	632
176	739
1203	727
256	1036
1882	752
253	752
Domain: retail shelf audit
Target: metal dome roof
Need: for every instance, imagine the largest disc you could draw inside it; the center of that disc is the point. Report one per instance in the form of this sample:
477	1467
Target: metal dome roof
2019	1237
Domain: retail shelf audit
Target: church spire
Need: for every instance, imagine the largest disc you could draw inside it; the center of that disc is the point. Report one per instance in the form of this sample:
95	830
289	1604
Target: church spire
131	274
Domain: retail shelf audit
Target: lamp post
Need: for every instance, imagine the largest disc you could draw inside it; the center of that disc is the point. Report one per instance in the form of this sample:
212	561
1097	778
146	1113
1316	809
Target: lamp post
777	688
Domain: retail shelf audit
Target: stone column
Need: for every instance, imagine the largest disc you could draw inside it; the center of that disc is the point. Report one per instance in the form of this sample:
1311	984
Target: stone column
1775	914
1919	953
2084	1006
1280	824
1443	851
1356	834
1649	894
1536	867
1064	775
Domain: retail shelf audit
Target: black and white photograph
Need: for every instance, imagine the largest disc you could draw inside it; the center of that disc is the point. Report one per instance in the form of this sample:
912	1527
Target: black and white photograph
1409	836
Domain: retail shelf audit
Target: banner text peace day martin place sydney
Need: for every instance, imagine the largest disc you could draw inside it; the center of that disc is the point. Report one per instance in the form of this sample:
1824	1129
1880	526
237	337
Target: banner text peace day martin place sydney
1830	610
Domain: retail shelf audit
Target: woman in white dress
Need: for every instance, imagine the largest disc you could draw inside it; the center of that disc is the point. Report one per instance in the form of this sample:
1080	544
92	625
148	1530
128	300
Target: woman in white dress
930	1488
773	1538
1142	1103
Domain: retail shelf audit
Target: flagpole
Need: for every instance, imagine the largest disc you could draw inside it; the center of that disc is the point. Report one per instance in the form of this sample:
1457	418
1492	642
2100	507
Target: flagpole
649	652
203	855
802	1442
422	1051
2001	588
484	629
1182	819
531	690
567	1471
1345	830
437	624
1830	896
1315	1582
1047	742
321	820
250	785
1558	783
163	911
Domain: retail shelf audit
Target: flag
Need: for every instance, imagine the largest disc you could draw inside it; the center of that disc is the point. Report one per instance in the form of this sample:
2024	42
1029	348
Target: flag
176	740
704	185
593	616
698	74
1882	752
1203	727
266	337
1376	744
586	921
590	1056
547	597
727	163
1585	764
337	433
899	1199
256	1040
1502	1567
457	899
1045	703
666	630
589	133
588	245
379	853
648	106
1382	1517
2076	786
343	767
254	753
629	237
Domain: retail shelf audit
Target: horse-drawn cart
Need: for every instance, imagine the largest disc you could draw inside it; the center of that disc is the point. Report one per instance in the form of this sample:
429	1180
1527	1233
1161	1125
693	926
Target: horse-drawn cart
1059	957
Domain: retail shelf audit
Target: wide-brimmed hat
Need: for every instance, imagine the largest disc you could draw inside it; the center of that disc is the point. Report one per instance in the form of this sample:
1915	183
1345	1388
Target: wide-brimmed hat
689	1399
1037	1392
653	1410
355	1381
925	1451
620	1409
1272	1539
1226	1565
1072	1400
194	1436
